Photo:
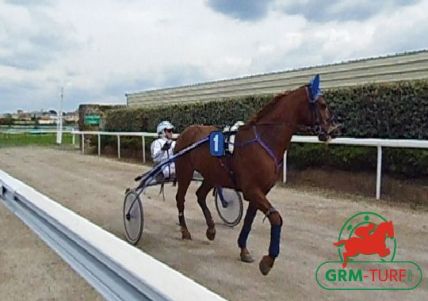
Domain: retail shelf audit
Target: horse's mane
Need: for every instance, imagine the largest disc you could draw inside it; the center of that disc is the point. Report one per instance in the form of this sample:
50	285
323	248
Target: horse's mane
267	108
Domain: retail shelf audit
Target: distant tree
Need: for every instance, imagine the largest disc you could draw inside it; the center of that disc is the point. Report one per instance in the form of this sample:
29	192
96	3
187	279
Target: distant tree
8	120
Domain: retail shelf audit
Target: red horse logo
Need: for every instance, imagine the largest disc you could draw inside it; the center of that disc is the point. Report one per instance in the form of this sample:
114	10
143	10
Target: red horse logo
370	240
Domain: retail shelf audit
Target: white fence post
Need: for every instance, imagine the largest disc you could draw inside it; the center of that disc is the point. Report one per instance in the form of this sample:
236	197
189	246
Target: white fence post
378	172
73	139
118	146
143	141
99	145
284	167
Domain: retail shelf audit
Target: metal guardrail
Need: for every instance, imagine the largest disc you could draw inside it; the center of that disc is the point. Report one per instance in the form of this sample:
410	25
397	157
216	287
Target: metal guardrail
408	66
117	270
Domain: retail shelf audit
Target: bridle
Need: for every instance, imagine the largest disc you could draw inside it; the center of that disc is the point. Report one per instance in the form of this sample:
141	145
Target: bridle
315	113
316	117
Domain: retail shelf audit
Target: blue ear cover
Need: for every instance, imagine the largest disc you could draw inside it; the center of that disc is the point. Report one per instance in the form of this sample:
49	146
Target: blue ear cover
314	88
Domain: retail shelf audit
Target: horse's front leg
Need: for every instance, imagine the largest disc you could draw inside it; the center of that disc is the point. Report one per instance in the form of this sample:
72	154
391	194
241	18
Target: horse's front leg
385	252
275	220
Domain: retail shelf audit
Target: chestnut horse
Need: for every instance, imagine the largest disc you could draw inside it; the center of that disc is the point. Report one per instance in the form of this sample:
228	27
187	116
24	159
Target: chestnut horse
254	167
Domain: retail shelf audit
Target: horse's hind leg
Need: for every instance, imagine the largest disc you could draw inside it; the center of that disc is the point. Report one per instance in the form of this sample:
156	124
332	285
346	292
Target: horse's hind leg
183	178
201	193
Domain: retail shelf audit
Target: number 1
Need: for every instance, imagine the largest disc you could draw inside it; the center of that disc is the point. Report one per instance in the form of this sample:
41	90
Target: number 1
215	143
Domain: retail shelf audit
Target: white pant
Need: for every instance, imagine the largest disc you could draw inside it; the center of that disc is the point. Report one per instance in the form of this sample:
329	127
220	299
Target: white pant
169	171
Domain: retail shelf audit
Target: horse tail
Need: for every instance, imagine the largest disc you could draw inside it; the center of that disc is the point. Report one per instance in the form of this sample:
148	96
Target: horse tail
340	242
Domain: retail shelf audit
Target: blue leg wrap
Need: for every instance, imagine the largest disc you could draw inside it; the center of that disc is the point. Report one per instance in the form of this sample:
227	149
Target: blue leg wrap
275	238
248	221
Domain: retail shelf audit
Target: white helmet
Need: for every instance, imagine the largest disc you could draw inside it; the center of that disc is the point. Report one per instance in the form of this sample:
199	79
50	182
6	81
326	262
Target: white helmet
162	126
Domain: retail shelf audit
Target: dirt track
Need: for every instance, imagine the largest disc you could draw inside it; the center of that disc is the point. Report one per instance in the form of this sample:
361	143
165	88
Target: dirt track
30	270
93	187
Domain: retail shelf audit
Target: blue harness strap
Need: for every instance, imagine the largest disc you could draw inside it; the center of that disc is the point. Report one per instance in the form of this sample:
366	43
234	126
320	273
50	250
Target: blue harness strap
266	147
258	139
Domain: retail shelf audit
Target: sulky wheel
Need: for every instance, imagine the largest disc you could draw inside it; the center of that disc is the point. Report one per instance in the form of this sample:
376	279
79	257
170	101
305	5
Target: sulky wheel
228	203
133	217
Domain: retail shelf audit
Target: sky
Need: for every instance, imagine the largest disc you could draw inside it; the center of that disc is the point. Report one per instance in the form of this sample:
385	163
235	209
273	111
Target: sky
98	50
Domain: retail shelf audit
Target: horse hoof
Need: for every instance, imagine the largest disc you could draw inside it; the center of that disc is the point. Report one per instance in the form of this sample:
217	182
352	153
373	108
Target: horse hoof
266	265
246	257
186	235
211	233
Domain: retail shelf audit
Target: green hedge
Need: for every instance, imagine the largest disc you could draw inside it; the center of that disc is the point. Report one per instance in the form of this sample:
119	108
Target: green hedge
216	113
394	110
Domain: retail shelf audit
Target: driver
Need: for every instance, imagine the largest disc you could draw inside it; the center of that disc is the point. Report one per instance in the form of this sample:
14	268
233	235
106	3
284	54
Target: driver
162	149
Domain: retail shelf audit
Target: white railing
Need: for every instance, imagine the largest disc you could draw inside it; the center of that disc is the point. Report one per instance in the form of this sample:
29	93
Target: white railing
117	270
378	143
143	136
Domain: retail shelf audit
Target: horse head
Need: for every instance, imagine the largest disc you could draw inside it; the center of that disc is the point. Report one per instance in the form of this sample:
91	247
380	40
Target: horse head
316	114
385	229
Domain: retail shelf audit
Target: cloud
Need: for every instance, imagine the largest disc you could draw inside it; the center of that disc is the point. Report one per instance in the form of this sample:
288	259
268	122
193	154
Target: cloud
245	10
341	10
106	48
17	94
29	3
30	37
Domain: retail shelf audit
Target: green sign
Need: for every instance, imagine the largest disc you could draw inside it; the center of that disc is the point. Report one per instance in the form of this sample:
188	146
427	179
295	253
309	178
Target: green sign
92	119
